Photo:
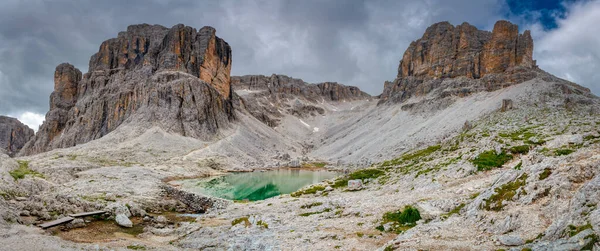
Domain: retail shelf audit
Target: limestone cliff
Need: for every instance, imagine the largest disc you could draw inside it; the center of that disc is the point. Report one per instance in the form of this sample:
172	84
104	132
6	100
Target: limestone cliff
13	135
281	90
177	79
494	59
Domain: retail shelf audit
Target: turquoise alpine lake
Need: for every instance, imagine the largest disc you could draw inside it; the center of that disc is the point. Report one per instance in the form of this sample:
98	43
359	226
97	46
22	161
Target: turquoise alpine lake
255	185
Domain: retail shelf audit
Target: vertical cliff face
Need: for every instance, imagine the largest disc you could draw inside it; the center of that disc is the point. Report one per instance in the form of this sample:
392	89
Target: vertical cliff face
13	135
496	59
177	79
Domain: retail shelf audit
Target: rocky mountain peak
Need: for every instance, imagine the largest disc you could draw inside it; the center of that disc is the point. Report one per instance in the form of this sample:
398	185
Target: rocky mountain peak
182	48
495	59
177	79
445	50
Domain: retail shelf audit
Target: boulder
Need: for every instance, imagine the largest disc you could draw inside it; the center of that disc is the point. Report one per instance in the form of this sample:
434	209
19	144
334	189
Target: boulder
123	220
511	240
354	184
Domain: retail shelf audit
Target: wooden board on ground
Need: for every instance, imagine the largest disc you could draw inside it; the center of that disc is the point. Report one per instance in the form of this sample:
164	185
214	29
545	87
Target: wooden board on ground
87	214
56	222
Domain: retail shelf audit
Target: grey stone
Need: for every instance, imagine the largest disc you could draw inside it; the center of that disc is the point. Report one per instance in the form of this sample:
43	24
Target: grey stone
354	184
161	219
511	240
123	220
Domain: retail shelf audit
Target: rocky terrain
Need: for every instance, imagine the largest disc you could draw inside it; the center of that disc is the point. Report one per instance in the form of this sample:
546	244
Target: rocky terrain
13	135
472	147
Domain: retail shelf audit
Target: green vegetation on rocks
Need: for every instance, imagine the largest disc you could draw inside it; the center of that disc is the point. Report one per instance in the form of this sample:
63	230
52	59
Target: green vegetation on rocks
454	211
419	154
522	149
545	173
563	151
363	174
311	190
503	193
315	204
23	170
240	220
401	220
489	159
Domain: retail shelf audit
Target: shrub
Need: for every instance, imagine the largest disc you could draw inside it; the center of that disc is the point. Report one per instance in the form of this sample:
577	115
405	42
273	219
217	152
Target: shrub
522	149
489	159
409	215
401	220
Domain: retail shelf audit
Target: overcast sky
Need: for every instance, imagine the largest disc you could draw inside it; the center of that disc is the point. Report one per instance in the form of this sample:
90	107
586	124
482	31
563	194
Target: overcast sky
348	41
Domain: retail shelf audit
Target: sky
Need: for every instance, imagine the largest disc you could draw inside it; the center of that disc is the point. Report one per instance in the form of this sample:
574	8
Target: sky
352	42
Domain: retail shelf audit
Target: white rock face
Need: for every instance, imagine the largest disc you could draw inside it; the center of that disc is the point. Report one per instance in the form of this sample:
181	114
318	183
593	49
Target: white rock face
123	221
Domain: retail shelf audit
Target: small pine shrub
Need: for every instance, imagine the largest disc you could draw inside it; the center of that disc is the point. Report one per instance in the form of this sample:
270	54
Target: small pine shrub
489	159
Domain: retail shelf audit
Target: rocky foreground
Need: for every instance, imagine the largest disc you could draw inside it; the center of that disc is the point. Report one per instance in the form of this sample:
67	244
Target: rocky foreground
472	147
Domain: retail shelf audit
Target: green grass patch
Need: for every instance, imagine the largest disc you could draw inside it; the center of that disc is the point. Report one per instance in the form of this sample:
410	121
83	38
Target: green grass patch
317	212
136	247
489	159
315	204
419	154
574	230
522	149
518	166
24	170
454	211
363	174
310	190
401	220
366	174
240	220
563	151
503	193
262	224
545	173
522	134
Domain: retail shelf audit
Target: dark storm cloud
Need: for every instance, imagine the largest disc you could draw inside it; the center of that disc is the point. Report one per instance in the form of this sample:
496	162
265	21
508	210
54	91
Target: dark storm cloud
351	42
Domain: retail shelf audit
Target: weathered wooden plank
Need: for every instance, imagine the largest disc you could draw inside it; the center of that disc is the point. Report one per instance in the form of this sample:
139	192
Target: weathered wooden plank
87	214
56	222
